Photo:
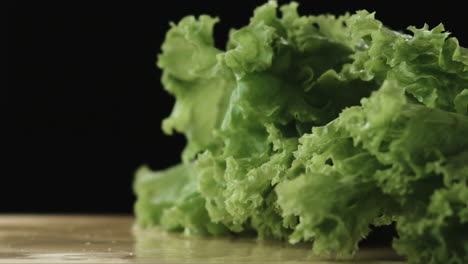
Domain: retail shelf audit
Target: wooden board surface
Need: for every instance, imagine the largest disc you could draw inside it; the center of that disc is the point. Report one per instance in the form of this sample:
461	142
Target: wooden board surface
113	239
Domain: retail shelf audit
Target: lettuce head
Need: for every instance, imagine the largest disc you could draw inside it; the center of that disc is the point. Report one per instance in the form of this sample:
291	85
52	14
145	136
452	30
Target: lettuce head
316	128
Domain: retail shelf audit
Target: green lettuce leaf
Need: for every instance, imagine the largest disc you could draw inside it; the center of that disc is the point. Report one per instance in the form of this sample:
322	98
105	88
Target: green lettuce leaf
192	75
316	128
170	199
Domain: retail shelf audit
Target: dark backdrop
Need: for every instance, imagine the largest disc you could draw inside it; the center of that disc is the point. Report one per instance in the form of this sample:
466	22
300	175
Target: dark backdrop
84	102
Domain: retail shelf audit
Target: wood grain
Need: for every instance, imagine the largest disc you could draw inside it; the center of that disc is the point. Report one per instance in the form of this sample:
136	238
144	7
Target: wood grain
113	239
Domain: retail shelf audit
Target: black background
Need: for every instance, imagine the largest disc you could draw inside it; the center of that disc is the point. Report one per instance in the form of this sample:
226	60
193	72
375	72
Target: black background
84	102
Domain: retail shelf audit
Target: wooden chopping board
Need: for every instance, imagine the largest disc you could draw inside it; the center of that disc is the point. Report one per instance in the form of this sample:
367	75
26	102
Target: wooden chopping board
113	239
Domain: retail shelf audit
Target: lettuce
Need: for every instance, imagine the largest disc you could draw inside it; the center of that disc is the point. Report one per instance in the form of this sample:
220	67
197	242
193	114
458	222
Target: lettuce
316	128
